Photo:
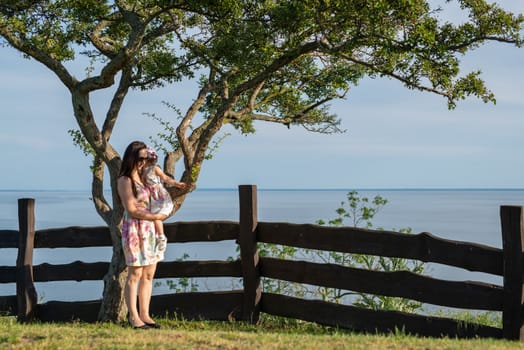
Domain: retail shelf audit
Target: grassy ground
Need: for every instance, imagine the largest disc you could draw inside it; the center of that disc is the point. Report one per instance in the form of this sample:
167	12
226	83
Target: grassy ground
175	334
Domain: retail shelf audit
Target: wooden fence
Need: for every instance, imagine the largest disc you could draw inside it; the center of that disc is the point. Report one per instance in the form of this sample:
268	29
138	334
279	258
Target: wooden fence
247	303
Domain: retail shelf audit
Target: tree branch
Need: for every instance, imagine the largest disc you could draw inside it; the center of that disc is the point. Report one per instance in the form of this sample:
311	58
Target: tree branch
251	103
101	43
116	102
182	128
54	65
124	55
145	83
278	63
97	191
397	77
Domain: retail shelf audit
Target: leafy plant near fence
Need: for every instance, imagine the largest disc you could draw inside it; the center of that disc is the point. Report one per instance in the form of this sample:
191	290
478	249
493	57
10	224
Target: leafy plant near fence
358	211
182	284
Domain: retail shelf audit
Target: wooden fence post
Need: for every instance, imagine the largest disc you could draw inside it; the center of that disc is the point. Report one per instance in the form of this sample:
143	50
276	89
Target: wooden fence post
25	289
512	245
249	253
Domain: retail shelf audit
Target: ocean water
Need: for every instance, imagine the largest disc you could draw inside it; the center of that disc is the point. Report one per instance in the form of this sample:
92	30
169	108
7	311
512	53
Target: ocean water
464	215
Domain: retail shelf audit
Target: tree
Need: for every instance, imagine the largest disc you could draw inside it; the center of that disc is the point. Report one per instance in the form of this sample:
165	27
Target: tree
274	61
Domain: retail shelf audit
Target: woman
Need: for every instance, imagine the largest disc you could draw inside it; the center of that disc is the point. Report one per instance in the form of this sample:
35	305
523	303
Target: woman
141	249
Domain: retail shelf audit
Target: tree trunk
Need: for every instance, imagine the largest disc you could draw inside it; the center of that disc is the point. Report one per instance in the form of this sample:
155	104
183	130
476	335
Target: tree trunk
113	306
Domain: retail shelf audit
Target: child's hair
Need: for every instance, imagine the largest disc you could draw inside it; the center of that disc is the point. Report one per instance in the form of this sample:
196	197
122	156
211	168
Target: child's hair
151	155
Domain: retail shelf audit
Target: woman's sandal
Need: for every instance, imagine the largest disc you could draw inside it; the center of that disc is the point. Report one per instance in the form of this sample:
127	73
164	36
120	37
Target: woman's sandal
152	325
144	326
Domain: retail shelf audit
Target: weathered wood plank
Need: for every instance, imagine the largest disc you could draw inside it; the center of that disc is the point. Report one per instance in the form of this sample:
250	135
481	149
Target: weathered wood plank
99	236
8	239
191	306
209	231
249	252
7	274
511	218
176	269
65	311
221	306
423	246
73	237
75	271
8	304
25	288
405	284
366	320
81	271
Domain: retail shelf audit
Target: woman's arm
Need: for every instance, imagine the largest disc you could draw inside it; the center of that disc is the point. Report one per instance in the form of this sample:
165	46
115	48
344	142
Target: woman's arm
167	179
125	191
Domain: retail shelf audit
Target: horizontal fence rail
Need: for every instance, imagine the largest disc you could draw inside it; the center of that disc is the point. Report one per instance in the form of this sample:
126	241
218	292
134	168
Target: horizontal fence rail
8	239
178	232
8	303
7	274
176	269
423	246
211	231
366	320
75	271
247	303
219	306
73	237
404	284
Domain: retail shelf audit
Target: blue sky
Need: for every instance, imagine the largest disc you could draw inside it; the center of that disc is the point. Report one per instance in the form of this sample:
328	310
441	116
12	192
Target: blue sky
395	138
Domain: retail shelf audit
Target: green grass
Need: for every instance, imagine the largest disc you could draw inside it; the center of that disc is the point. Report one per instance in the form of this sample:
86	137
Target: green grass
270	333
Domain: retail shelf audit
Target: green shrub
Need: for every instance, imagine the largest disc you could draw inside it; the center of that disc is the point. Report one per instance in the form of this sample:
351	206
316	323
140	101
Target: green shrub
356	212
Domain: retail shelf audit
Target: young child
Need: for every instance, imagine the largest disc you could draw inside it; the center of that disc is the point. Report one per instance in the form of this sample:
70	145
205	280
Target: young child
161	201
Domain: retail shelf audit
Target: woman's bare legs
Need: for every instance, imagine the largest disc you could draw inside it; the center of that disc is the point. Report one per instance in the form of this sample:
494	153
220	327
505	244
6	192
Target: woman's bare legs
134	275
145	289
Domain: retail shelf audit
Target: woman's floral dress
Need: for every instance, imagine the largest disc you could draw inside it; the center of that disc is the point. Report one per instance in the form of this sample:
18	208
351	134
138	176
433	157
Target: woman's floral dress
140	245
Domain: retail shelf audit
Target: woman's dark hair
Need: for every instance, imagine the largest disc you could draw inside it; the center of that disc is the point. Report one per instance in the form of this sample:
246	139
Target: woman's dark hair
130	160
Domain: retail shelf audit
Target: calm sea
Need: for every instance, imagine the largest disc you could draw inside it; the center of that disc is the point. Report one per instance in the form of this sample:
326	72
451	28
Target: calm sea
465	215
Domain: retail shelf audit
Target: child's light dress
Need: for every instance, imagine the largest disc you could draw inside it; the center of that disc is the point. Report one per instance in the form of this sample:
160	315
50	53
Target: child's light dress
161	201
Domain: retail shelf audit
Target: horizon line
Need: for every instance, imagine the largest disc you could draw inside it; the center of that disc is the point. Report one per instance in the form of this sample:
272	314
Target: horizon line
305	189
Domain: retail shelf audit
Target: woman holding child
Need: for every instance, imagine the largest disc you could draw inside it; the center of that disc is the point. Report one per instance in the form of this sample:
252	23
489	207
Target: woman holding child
143	245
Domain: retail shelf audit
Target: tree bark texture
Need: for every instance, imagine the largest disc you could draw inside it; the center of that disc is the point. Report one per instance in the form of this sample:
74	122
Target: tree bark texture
113	307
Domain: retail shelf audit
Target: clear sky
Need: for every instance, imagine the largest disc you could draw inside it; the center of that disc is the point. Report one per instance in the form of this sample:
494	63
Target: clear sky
395	138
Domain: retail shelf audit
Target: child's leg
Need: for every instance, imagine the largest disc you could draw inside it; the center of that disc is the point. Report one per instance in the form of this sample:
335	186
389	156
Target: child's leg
159	227
160	236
